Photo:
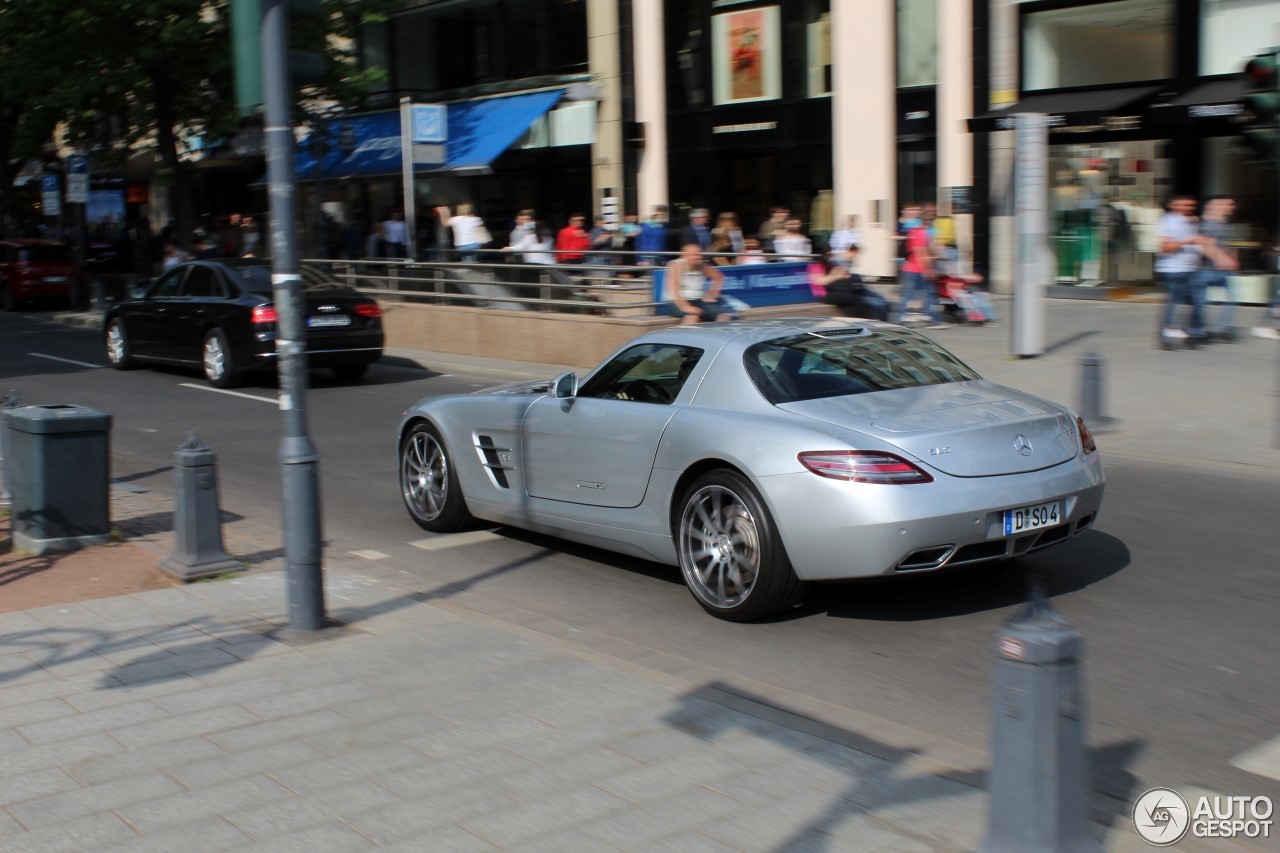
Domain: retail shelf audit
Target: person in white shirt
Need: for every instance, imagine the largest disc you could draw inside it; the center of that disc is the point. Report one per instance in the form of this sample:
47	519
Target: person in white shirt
845	242
751	252
692	287
791	244
395	235
1179	259
469	233
524	238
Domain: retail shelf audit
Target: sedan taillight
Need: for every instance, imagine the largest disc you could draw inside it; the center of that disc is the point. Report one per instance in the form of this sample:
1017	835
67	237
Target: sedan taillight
369	309
264	314
1086	438
862	466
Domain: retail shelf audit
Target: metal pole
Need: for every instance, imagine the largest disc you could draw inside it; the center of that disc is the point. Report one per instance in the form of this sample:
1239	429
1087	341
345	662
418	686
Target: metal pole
299	461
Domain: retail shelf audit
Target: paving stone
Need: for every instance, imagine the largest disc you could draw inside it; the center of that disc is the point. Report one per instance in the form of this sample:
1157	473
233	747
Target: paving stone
53	810
346	802
224	768
779	826
300	701
103	696
331	837
62	666
89	722
656	780
568	771
179	664
866	832
11	741
680	811
563	841
183	726
546	742
362	735
936	810
561	811
67	615
422	817
30	757
30	712
76	836
690	841
18	622
160	814
52	688
198	698
283	728
379	762
443	839
456	739
34	785
426	775
208	834
107	766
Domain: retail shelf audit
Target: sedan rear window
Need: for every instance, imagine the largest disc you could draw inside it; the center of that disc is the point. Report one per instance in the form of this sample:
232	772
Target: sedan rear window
849	361
256	278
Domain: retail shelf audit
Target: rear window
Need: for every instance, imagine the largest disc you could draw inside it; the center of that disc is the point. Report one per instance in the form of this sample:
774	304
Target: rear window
256	278
44	254
849	361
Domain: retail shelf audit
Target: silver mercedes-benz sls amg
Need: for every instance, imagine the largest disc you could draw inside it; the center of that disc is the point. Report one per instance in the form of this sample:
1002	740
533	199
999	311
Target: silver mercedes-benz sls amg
761	455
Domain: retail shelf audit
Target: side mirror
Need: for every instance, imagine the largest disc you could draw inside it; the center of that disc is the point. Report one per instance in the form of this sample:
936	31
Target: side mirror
565	385
138	292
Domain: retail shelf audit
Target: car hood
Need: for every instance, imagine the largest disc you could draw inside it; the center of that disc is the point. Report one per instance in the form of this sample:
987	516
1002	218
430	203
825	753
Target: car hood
534	386
965	429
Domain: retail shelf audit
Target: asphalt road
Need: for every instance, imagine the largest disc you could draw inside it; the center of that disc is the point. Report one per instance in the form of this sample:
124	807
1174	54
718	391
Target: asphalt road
1174	589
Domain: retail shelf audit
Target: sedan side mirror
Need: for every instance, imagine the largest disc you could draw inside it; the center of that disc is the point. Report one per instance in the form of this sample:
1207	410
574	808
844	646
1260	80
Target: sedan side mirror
138	292
565	385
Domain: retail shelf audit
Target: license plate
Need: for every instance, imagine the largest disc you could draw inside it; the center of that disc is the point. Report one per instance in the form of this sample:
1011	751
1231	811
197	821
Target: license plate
1032	517
55	279
329	320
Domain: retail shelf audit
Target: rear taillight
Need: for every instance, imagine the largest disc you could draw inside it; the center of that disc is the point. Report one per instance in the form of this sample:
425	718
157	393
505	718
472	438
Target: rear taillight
1086	437
369	309
862	466
264	314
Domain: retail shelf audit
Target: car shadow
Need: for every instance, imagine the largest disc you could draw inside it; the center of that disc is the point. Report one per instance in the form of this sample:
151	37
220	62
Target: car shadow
1072	566
318	378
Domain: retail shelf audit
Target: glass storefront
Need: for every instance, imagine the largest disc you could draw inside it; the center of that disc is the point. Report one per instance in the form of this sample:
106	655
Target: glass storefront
1105	201
1098	44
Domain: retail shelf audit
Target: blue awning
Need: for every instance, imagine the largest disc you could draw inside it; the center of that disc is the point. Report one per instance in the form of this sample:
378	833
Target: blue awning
479	131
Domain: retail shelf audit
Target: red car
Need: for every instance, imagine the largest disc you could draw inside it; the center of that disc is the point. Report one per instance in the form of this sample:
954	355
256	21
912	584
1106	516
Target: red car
34	269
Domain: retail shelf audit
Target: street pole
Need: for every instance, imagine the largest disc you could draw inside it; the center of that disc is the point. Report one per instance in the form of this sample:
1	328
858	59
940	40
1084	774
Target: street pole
299	461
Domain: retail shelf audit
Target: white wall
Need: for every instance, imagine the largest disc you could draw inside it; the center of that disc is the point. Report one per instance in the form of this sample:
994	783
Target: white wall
1234	30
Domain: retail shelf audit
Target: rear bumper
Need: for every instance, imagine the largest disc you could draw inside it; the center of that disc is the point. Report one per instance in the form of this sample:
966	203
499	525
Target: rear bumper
326	352
836	530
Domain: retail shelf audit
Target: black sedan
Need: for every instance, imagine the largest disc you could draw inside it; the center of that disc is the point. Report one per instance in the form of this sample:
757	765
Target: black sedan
220	316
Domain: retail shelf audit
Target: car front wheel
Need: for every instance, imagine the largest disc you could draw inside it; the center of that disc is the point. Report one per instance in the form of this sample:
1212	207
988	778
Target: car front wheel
730	553
118	353
219	368
429	483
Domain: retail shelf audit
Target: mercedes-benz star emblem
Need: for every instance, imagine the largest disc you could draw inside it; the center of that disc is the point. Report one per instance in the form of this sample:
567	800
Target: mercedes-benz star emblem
1021	445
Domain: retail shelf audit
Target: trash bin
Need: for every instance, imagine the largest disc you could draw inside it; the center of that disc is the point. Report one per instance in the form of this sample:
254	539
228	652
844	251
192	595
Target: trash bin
58	463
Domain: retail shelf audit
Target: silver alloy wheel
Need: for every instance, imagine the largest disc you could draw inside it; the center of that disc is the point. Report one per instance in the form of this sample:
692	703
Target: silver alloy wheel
116	347
424	475
719	547
215	358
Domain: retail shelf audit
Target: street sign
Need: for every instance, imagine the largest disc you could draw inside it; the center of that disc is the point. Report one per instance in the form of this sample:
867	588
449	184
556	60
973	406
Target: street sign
77	179
430	123
50	199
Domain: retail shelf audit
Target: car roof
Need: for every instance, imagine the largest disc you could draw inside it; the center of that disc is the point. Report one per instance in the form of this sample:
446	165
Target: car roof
748	332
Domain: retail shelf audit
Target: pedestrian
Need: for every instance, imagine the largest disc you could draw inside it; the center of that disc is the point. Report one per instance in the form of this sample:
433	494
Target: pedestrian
250	237
573	240
835	284
1180	257
698	230
726	239
1220	263
692	287
624	239
523	236
771	227
845	242
600	238
375	245
791	244
751	252
918	271
173	255
469	231
395	235
654	237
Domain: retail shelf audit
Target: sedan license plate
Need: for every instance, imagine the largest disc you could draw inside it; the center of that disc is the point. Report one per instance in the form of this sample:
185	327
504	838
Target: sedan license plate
1032	517
55	279
328	321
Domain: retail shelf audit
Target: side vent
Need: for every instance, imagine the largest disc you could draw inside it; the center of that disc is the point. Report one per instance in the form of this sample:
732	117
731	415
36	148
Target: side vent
496	459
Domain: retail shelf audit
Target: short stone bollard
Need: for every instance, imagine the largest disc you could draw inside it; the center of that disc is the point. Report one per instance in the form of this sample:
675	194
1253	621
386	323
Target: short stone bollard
197	527
1039	770
1091	364
9	401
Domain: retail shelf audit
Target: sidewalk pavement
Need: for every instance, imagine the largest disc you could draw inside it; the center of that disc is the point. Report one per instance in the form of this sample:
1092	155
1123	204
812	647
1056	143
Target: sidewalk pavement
192	718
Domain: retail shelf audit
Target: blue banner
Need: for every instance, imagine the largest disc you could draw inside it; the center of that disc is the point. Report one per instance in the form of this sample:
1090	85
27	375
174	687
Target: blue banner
758	285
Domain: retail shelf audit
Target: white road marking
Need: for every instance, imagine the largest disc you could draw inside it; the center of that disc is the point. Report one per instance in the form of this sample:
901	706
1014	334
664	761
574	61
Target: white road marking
64	360
1263	759
369	555
454	540
271	400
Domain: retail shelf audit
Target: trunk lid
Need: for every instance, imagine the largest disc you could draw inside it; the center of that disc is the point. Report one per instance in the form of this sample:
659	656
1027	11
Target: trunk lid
965	429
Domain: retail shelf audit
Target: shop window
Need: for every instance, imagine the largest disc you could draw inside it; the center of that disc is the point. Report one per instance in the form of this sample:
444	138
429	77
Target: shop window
820	56
917	30
1122	41
571	123
1232	31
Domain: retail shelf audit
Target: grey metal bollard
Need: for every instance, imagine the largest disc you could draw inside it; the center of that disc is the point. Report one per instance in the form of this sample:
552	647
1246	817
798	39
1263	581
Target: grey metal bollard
1091	365
9	401
197	527
1039	770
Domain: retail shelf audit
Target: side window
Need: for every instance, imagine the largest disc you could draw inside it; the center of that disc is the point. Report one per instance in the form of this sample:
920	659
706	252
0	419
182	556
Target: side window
201	282
167	286
648	373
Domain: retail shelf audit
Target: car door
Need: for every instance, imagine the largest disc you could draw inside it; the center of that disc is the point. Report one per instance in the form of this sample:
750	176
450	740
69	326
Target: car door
199	296
146	320
598	446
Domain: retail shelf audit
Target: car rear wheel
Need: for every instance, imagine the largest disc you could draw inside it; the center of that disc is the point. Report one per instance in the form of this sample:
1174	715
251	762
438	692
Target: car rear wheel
350	371
730	553
219	368
118	353
429	483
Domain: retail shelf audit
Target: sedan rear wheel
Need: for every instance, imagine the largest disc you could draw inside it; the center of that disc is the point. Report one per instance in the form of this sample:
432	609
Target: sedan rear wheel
216	358
118	346
429	483
730	554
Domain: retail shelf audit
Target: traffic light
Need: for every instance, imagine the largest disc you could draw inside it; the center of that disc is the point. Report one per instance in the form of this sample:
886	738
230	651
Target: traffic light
307	64
1261	134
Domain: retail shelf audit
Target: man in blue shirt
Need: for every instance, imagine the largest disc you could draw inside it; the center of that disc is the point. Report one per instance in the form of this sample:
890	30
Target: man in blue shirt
1178	262
653	237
